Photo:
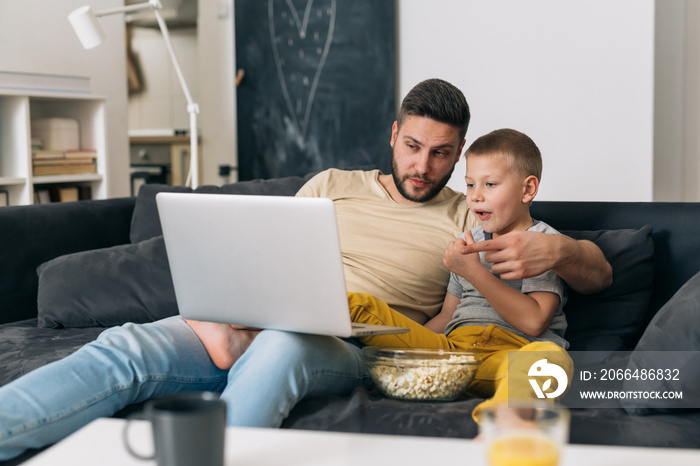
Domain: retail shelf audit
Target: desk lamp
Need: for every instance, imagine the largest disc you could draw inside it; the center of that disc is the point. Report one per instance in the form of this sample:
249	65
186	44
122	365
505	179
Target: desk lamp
88	30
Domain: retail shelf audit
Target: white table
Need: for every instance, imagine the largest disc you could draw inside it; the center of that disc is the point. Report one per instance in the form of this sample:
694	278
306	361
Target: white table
100	443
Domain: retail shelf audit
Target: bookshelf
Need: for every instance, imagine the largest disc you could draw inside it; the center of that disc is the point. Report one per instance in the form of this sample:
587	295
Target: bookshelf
17	109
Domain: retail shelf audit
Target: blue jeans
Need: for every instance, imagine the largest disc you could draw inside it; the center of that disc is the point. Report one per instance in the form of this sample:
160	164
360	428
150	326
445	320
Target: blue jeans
134	363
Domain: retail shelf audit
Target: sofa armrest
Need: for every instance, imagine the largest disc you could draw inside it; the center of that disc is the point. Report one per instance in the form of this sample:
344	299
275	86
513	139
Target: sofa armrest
31	235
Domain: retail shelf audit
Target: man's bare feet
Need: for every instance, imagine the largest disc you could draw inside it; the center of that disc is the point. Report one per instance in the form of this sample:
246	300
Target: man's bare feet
224	343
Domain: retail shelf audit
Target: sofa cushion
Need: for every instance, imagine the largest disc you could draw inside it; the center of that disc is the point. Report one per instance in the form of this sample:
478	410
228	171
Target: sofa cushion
145	223
671	341
613	319
106	287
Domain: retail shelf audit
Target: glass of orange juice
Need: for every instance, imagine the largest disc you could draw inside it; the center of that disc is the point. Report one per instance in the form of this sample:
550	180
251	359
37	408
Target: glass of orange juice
524	434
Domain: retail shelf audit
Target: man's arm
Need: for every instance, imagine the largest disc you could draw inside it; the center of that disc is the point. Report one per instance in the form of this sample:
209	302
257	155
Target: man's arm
523	254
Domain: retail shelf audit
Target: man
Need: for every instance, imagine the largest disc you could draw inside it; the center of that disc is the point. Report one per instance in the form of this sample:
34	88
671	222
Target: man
270	371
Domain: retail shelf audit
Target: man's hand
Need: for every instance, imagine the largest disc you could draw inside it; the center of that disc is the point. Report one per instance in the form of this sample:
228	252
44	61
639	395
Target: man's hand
458	259
524	254
517	255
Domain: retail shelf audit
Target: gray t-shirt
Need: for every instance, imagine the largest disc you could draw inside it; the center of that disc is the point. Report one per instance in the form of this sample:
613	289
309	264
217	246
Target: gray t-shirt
473	309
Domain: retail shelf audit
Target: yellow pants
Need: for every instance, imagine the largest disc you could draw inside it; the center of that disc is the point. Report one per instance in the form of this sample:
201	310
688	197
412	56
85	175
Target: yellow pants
493	342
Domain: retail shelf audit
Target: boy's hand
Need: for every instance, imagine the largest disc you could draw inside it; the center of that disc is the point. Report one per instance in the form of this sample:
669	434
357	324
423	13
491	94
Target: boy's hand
456	258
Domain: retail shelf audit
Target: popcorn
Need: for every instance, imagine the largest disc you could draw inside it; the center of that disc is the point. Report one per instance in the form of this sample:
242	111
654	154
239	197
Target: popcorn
424	379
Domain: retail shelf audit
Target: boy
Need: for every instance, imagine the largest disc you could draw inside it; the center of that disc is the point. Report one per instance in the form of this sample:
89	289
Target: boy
481	311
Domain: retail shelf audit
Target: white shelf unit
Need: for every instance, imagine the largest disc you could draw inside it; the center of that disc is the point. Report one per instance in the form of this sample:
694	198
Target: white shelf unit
17	109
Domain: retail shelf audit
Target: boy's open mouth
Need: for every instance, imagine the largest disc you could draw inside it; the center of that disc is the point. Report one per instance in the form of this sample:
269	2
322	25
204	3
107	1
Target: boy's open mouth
482	214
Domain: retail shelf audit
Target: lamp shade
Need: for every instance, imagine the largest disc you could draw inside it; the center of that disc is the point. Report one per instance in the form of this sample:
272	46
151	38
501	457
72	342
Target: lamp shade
86	27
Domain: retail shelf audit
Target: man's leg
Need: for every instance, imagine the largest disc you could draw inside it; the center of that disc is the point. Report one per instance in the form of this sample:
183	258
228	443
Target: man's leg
281	368
225	343
124	365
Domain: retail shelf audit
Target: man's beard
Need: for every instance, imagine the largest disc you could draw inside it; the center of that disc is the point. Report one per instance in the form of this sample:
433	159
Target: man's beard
433	191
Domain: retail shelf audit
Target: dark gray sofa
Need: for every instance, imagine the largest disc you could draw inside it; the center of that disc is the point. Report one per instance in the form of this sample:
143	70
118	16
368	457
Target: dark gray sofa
111	269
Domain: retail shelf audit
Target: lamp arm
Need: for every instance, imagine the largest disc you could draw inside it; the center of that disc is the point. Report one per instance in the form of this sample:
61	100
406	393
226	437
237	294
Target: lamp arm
192	107
193	175
173	58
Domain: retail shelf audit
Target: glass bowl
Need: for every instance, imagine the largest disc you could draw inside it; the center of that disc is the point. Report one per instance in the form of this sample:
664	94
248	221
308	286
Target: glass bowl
421	373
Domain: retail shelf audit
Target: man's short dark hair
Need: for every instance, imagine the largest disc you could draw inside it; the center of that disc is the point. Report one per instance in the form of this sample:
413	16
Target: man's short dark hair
438	100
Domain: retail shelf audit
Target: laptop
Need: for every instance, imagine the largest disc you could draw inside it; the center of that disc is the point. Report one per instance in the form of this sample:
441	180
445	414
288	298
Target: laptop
270	262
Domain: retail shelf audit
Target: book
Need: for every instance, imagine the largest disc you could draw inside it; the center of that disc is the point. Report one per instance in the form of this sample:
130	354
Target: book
84	192
47	155
59	156
68	193
64	169
40	162
62	193
70	162
80	154
42	196
54	194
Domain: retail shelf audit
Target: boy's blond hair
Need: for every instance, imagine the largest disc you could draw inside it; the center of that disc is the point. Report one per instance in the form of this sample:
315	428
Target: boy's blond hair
521	151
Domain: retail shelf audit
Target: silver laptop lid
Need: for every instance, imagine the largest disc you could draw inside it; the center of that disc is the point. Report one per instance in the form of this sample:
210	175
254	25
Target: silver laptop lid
260	261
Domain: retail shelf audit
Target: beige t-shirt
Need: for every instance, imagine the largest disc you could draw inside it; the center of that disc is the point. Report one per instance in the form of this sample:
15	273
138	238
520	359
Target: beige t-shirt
392	251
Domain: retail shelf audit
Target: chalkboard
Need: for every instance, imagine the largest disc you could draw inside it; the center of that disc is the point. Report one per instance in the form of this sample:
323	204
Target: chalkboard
319	88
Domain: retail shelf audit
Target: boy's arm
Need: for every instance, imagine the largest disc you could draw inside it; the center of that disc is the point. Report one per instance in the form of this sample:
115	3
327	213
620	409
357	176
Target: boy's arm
524	254
438	323
530	313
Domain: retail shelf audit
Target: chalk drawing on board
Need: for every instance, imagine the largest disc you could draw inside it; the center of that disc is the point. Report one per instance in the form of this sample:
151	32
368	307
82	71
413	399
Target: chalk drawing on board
290	31
324	96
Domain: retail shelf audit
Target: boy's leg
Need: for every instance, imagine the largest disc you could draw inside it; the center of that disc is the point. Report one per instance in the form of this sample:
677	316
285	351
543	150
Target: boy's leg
367	309
493	376
124	365
493	343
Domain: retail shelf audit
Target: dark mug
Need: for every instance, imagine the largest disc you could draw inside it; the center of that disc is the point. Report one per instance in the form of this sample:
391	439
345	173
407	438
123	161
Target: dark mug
188	430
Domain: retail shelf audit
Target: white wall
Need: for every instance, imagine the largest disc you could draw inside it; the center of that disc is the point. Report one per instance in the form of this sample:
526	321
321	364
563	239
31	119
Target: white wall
35	36
218	97
669	101
609	90
689	175
575	76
